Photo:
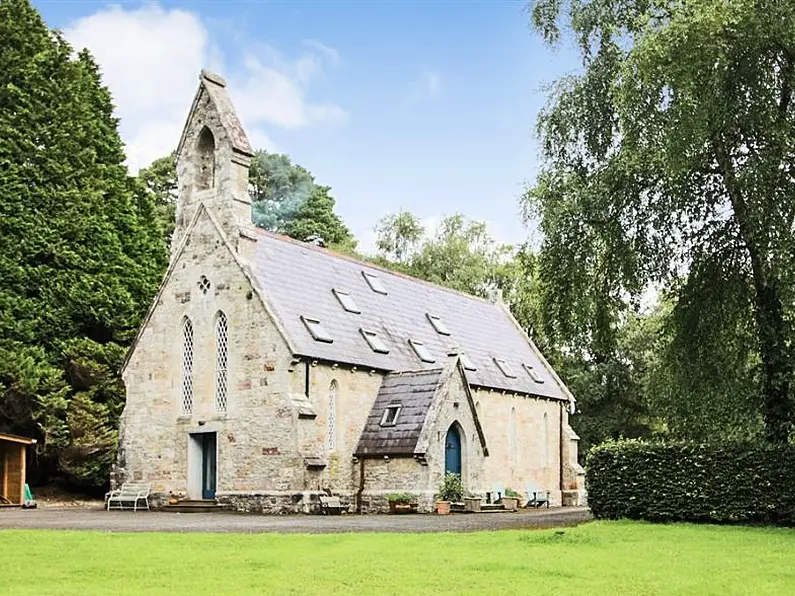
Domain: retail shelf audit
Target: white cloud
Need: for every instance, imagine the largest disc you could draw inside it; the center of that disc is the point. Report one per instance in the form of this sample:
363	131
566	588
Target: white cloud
151	58
330	53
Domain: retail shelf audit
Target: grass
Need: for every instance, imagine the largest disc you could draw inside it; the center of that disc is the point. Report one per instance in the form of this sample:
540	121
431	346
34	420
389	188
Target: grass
596	558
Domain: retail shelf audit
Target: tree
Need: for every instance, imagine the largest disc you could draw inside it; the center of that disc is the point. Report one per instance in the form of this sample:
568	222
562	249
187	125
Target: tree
159	183
278	188
316	219
80	252
461	254
669	161
397	237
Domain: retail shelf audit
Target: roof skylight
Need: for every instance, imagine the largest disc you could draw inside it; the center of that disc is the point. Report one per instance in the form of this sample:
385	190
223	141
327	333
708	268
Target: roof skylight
390	415
503	366
534	374
422	351
316	330
375	283
466	361
437	323
375	342
347	301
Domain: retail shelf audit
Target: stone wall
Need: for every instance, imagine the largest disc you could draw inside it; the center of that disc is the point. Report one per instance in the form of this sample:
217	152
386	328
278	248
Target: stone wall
451	406
534	455
227	196
257	445
356	391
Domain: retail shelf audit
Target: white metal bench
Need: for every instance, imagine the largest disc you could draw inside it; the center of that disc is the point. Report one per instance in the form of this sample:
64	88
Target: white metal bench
130	494
332	505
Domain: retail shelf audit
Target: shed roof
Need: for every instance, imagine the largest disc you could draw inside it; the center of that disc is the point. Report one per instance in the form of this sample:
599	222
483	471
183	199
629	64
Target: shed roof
413	391
299	280
15	439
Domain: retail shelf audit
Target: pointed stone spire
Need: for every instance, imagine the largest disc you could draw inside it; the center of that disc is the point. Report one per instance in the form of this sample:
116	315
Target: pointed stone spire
213	159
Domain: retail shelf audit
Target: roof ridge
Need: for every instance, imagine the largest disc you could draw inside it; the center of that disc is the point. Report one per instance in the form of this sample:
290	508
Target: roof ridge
347	257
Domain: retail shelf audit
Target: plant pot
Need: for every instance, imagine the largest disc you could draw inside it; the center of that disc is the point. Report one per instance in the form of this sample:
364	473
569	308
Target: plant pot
472	504
510	503
402	508
443	507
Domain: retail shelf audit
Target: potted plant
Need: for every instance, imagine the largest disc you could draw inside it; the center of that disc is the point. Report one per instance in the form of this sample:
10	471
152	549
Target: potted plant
401	503
451	489
511	499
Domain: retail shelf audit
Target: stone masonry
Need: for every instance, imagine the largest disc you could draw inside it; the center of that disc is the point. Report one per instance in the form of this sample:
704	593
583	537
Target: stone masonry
276	448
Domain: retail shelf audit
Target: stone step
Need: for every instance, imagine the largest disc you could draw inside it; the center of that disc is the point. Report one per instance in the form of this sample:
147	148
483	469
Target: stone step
488	507
193	506
484	508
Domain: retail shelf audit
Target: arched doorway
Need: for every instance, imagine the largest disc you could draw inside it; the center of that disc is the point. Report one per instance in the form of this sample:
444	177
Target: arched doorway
452	451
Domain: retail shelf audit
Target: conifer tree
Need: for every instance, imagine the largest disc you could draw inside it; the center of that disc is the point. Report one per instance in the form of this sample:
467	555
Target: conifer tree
316	219
80	252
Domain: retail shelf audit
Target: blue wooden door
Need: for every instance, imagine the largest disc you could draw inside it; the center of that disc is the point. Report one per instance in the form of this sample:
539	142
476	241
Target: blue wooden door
452	451
208	465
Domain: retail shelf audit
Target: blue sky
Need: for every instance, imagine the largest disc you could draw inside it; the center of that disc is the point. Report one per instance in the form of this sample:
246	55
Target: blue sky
426	106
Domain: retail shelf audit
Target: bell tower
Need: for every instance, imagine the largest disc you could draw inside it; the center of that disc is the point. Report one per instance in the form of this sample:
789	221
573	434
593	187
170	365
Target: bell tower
213	159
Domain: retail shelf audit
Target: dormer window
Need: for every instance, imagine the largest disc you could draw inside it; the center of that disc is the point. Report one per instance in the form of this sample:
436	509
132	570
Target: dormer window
466	362
533	372
503	366
437	323
376	343
390	416
317	331
347	301
422	351
375	283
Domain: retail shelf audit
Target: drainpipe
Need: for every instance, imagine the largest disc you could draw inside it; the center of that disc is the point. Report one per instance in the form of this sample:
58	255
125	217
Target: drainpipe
562	446
306	378
361	486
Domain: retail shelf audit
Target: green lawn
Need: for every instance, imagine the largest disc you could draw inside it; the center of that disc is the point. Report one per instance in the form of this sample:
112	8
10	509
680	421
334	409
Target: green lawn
596	558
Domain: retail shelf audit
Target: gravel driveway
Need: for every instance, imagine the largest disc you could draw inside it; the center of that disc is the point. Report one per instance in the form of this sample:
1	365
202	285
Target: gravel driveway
157	521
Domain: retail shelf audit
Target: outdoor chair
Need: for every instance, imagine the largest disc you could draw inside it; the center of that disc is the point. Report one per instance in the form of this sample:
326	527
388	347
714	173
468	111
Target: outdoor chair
536	497
332	506
129	495
497	492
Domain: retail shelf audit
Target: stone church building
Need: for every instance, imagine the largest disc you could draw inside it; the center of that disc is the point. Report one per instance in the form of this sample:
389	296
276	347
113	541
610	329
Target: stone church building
268	371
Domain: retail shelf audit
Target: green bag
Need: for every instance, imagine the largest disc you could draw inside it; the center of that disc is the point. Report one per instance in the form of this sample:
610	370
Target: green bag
28	494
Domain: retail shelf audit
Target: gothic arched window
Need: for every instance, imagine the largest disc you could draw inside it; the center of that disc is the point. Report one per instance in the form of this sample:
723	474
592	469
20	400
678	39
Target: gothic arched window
221	361
187	366
331	437
205	157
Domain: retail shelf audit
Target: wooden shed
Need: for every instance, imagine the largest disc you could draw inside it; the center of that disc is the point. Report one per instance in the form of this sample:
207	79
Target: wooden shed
13	461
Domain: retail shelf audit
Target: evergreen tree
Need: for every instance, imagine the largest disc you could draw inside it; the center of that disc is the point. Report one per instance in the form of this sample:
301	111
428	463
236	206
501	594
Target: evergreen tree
159	184
80	252
278	188
316	219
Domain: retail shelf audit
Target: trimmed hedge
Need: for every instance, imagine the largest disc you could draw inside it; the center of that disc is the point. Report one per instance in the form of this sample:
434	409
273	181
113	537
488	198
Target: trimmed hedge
733	483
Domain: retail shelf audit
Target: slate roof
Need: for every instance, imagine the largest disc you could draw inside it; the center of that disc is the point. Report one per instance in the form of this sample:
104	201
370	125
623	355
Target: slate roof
297	280
414	392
